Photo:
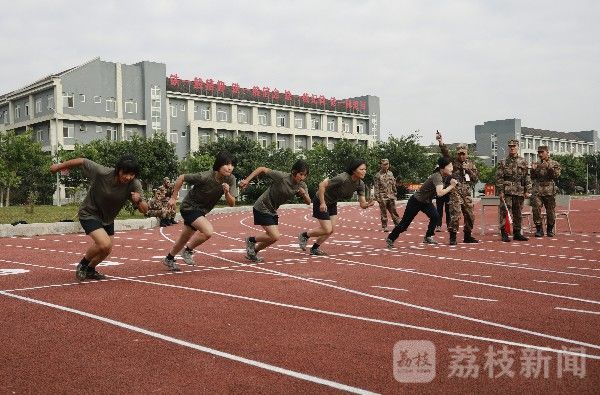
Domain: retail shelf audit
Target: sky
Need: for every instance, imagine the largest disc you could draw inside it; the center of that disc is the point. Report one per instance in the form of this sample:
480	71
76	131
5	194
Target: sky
435	65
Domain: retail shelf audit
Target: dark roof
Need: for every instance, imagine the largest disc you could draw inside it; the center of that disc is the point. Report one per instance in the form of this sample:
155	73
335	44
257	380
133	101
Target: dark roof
552	134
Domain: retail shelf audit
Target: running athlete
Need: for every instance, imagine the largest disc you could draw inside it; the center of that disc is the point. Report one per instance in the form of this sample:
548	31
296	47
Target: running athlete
421	201
284	186
207	188
329	193
109	189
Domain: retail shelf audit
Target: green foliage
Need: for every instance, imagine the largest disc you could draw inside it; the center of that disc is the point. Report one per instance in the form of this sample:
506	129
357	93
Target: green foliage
22	159
408	159
572	173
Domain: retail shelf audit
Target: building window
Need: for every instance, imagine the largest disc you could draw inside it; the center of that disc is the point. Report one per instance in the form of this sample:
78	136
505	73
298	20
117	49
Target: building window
173	111
129	134
111	104
183	133
360	128
69	100
98	129
331	125
18	112
298	146
242	117
182	107
130	107
111	133
38	135
315	123
97	99
206	114
204	138
262	119
82	97
280	144
280	121
68	131
345	127
298	123
38	105
195	108
173	136
5	116
262	141
221	115
26	110
51	103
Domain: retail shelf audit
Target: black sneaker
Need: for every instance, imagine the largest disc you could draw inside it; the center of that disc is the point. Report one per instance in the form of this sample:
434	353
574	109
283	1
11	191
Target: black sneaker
318	252
92	274
81	272
429	240
389	243
254	258
302	240
170	263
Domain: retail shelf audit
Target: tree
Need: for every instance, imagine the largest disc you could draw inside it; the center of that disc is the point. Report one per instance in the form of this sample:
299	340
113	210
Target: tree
408	159
572	173
21	158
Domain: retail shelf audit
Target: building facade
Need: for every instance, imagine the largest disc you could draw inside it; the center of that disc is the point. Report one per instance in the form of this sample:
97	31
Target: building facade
107	100
492	138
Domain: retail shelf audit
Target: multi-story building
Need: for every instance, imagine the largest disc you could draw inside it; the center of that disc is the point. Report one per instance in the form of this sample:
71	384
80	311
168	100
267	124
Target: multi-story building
492	138
115	101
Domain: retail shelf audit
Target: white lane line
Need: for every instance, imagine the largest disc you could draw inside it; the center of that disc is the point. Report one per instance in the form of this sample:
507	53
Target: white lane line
554	282
393	289
474	298
473	275
198	347
401	303
578	311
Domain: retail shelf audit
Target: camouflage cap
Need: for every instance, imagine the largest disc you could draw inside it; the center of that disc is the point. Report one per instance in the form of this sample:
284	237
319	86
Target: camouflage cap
513	142
461	148
543	148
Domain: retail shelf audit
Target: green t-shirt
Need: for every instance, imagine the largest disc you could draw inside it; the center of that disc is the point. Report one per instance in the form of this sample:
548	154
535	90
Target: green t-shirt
206	191
428	190
282	189
106	196
343	187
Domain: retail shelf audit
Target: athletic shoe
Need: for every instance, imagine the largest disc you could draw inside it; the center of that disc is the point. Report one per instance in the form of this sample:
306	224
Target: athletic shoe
318	252
250	248
170	263
187	257
302	240
81	272
92	274
254	258
389	243
429	240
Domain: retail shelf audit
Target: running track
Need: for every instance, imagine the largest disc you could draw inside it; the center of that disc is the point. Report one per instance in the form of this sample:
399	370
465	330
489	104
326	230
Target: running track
297	323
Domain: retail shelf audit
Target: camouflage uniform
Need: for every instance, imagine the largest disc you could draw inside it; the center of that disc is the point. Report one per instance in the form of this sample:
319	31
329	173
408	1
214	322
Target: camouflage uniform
385	194
157	208
169	187
512	178
460	197
544	178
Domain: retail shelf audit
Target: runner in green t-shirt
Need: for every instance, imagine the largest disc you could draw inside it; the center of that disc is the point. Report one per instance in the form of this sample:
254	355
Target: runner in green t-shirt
284	186
109	189
330	192
207	188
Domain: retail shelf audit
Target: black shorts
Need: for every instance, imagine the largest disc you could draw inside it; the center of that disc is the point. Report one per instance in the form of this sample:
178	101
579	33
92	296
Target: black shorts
190	216
90	225
264	219
317	213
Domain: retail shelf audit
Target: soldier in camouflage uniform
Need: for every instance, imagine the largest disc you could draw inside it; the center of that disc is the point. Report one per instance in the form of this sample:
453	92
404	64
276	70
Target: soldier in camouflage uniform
168	185
156	207
514	185
465	172
385	193
544	175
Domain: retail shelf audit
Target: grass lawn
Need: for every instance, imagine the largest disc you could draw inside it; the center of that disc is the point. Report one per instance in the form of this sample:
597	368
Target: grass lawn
42	214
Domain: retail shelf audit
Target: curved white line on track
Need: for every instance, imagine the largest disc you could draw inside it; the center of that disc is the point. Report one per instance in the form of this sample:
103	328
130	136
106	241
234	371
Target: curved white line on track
394	301
198	347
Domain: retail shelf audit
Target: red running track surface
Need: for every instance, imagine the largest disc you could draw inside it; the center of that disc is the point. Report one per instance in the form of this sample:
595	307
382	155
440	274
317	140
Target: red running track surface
508	317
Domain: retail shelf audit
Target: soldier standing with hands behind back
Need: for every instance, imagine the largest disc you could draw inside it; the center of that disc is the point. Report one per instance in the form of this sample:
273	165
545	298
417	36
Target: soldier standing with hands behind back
385	193
544	175
513	184
465	172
